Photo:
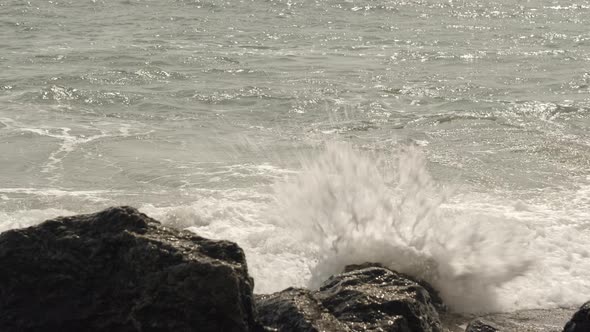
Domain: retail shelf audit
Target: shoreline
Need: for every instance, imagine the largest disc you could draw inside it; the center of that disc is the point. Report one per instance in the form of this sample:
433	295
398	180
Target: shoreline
528	320
175	279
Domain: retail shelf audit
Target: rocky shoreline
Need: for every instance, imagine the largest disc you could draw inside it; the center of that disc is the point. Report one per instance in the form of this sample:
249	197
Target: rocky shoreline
120	270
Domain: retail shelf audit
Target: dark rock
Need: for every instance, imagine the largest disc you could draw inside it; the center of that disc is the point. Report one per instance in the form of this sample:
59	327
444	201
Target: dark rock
296	310
376	298
367	298
119	270
480	325
434	296
580	321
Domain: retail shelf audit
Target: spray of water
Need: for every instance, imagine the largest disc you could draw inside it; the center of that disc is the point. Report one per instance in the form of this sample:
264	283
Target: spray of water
355	207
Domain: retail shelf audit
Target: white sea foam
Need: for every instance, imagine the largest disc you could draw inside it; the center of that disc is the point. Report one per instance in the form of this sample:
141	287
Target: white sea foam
26	218
558	237
483	253
355	207
276	260
68	144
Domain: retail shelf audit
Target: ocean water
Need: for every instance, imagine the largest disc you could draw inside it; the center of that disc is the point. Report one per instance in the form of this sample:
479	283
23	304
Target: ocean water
446	139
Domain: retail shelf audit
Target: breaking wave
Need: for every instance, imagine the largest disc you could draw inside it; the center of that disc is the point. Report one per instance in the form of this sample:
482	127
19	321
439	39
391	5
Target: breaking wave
355	207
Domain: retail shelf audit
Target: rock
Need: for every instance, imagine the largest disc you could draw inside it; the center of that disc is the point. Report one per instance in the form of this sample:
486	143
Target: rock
480	325
434	296
367	298
376	298
119	270
580	321
296	310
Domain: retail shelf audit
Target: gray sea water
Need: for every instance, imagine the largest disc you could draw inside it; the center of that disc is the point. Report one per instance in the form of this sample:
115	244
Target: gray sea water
449	139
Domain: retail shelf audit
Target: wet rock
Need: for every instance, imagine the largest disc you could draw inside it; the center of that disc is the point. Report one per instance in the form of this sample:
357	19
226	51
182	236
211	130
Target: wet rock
435	298
480	325
376	298
366	298
119	270
580	321
296	310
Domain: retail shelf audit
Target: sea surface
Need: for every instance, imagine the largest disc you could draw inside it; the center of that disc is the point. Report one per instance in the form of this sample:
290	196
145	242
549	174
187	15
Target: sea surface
446	139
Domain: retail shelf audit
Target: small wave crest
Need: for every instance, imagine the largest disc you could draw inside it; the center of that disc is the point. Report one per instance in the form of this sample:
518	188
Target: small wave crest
355	207
26	218
67	95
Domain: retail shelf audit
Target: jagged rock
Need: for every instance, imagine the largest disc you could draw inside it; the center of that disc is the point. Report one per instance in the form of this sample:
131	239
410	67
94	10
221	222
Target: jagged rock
367	298
580	321
480	325
296	310
377	298
119	270
435	298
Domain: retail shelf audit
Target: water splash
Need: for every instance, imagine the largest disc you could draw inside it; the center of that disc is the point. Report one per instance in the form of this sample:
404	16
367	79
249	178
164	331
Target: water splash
356	207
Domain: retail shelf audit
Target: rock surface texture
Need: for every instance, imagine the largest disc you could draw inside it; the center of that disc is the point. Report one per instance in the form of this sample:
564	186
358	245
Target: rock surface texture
480	325
580	321
119	270
296	309
367	299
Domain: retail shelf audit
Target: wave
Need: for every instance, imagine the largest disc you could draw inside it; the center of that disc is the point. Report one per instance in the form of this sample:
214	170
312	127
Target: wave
484	252
26	218
355	207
